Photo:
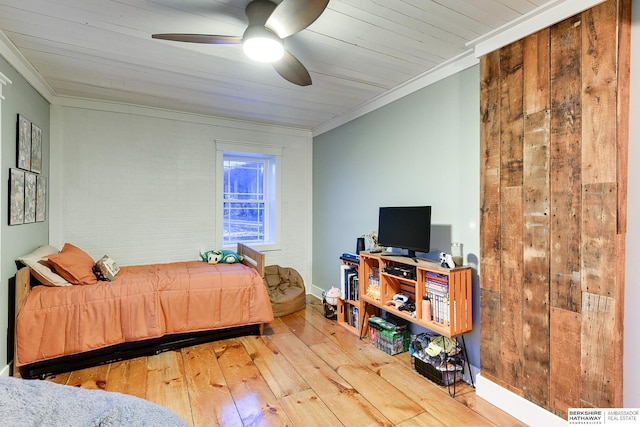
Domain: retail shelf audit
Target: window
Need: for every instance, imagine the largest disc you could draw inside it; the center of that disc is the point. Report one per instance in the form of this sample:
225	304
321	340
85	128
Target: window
248	195
247	201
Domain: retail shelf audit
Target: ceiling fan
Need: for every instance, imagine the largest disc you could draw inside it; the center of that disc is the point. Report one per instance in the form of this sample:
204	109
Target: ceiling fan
269	24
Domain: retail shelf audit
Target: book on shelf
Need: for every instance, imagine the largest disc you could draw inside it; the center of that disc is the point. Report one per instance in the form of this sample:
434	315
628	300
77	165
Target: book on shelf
455	315
437	283
437	278
437	289
348	282
354	288
351	316
439	307
353	320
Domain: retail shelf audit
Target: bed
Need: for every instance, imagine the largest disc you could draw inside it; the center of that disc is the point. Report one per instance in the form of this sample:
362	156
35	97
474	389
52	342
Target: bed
145	309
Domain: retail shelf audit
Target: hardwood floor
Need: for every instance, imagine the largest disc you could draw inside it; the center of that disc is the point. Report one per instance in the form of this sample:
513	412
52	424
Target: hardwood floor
304	371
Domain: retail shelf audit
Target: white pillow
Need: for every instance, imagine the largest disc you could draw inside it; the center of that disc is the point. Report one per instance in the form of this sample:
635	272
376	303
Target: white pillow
37	261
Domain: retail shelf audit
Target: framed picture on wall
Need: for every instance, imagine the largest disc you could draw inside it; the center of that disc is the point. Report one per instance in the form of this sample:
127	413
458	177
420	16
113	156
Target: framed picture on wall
29	197
24	143
36	149
16	196
41	198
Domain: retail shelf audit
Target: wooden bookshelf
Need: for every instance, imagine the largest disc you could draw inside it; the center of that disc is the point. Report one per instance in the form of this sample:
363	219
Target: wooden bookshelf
349	310
450	289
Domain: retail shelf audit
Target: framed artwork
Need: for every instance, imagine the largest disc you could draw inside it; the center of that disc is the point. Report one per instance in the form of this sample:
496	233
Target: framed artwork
36	149
41	198
24	143
16	196
29	197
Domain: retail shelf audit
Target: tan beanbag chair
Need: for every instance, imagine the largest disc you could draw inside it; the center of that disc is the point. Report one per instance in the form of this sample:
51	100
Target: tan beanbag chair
286	289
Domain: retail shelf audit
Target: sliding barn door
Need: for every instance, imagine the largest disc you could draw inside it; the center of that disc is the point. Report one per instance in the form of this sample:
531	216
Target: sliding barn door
554	124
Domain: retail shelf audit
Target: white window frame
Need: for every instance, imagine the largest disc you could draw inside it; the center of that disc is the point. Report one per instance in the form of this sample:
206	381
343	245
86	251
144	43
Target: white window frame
247	149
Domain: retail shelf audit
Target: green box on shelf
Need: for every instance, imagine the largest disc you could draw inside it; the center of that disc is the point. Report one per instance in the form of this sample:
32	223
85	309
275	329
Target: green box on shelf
388	337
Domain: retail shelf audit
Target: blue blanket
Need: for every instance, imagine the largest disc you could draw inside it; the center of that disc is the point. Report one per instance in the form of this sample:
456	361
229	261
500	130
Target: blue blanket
43	403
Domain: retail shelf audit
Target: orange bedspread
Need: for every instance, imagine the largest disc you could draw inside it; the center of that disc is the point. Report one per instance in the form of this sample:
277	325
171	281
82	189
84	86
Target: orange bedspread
142	302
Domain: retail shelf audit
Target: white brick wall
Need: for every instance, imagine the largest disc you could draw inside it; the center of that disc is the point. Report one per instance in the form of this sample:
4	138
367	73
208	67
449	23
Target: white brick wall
139	185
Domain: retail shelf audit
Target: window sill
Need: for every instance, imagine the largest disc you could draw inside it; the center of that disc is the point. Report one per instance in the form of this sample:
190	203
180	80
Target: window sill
262	247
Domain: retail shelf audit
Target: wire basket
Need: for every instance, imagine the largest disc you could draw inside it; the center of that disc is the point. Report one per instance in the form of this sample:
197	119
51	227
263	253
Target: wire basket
443	376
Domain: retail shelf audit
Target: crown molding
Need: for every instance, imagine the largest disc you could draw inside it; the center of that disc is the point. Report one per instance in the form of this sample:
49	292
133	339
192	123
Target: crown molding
541	17
13	56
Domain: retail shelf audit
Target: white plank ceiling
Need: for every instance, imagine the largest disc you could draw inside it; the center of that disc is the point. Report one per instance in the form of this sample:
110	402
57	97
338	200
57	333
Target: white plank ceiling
356	51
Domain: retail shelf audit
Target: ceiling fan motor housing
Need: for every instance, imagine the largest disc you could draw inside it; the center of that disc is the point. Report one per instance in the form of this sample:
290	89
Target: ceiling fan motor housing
258	11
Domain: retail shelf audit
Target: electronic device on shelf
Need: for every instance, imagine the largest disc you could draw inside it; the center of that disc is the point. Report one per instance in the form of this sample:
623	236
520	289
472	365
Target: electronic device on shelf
400	298
446	260
405	227
348	256
405	271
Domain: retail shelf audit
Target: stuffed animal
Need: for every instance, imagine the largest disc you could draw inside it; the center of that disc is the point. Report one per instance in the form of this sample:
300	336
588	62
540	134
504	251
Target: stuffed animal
220	256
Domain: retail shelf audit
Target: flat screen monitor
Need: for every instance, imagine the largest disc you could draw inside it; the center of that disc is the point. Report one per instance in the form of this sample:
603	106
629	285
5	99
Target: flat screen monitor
405	227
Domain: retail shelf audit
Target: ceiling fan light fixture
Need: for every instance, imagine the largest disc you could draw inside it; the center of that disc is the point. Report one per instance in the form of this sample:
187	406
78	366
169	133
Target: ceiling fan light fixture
262	45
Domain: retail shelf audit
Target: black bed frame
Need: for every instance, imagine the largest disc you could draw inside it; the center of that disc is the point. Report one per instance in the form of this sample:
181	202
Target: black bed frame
130	350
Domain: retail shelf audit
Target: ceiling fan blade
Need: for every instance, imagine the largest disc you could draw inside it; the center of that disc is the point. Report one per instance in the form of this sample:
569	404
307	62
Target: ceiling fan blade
292	16
292	69
199	38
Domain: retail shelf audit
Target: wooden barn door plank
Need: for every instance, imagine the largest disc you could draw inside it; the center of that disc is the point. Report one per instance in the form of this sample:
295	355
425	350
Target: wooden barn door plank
623	77
564	348
490	171
537	125
599	93
535	301
490	336
599	239
565	155
599	371
537	51
511	114
604	163
511	213
511	287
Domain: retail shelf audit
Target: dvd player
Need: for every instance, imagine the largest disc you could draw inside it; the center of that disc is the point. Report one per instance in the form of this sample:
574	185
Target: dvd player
407	272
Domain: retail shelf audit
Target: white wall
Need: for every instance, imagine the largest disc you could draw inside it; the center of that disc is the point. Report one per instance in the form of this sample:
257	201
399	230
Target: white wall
139	184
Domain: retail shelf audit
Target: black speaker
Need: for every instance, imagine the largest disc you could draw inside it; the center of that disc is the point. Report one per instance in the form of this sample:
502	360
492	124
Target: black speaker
360	245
